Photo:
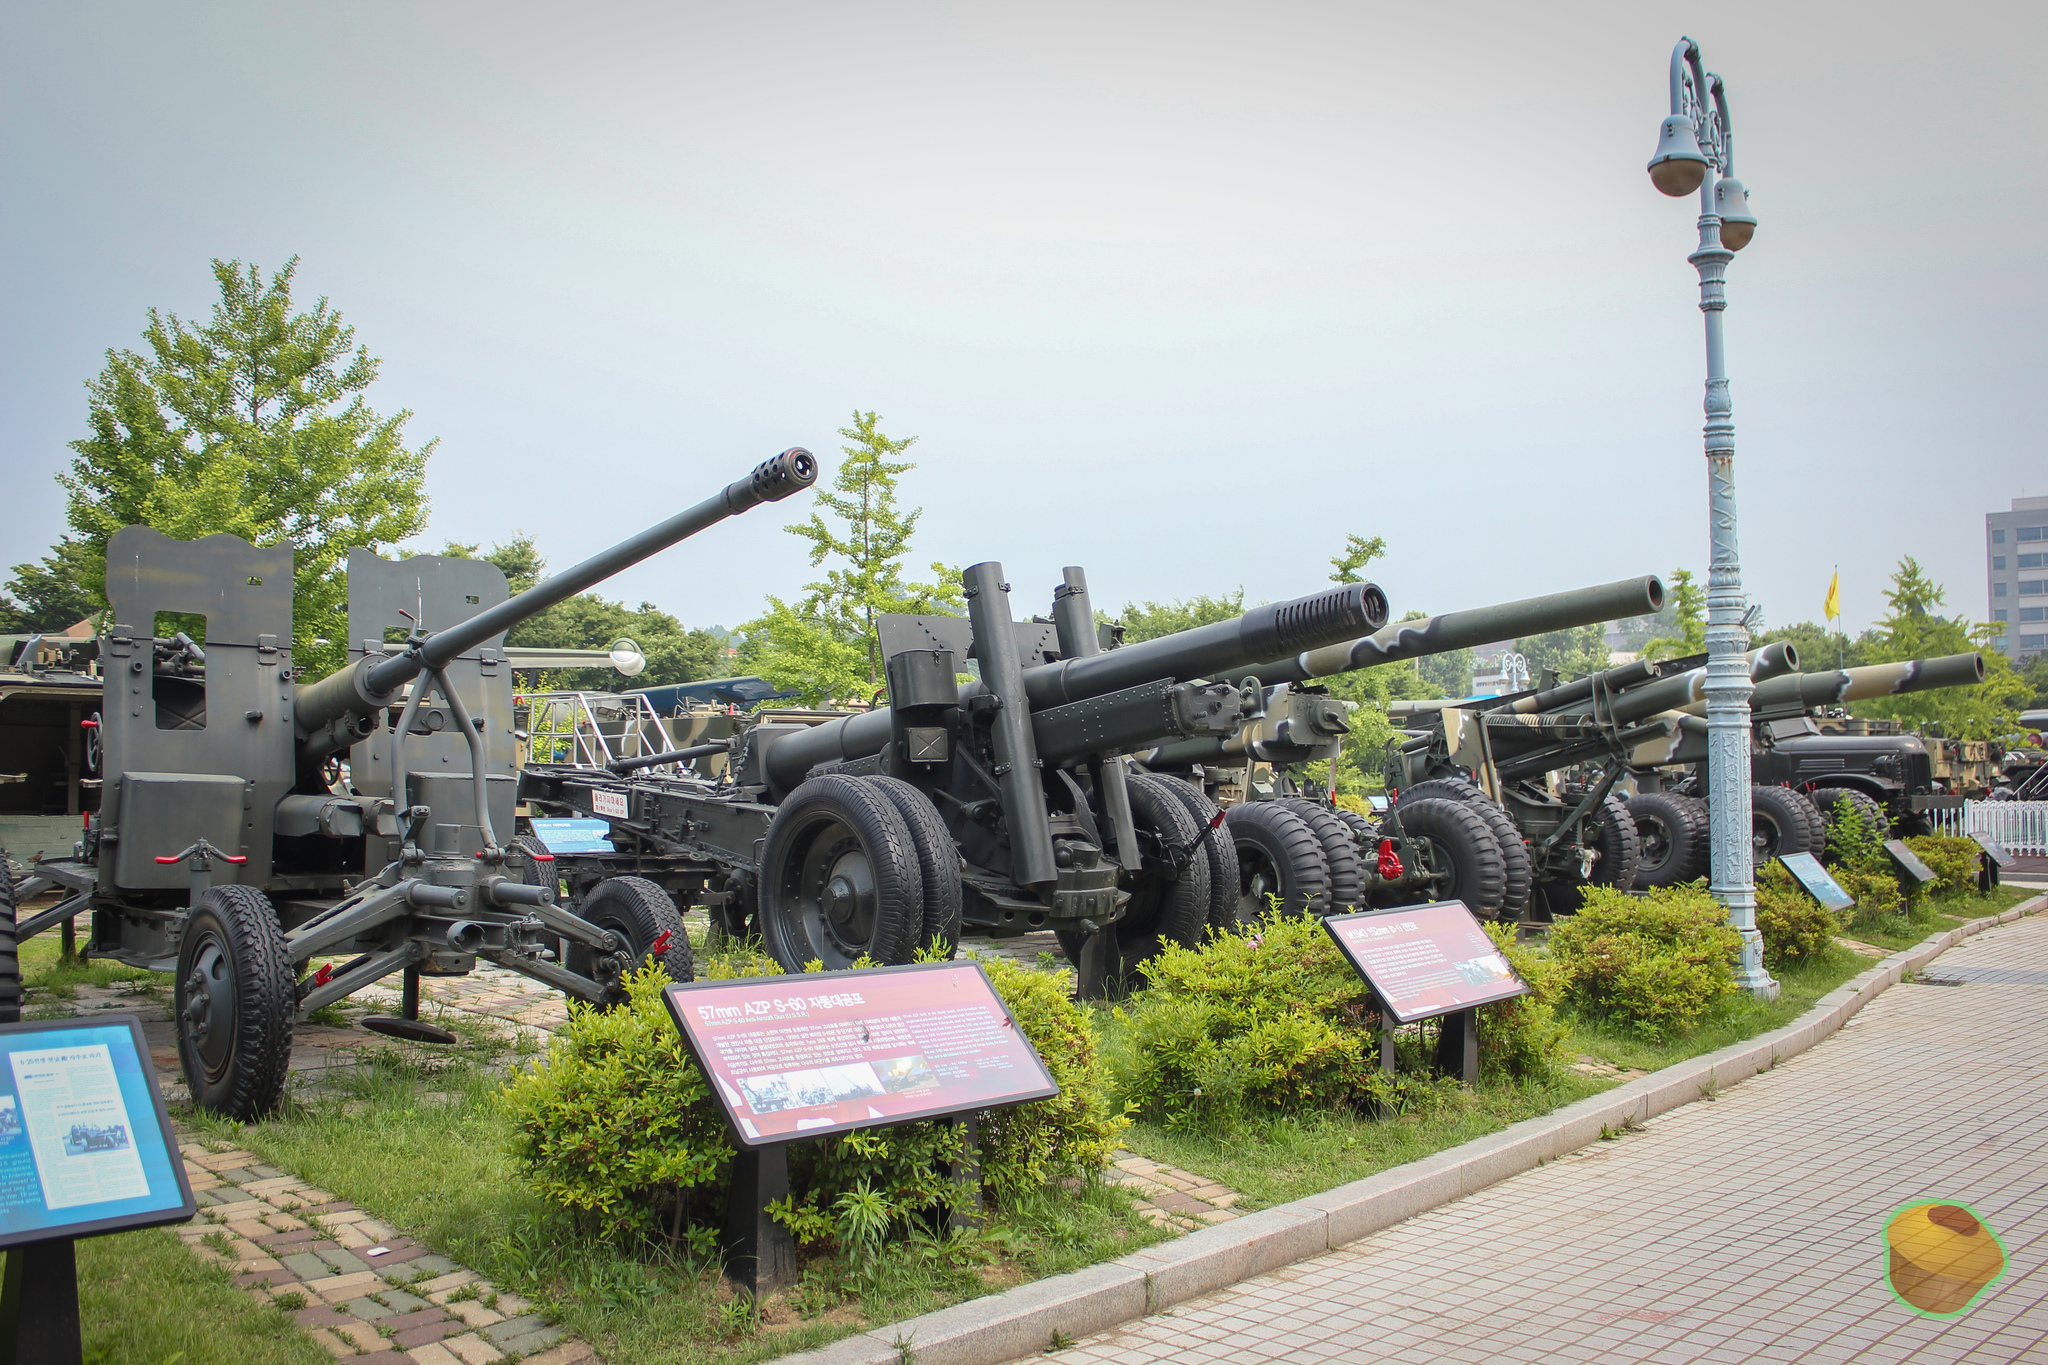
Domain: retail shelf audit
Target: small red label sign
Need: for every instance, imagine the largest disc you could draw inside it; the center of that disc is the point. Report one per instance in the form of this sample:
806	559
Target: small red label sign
807	1056
1425	960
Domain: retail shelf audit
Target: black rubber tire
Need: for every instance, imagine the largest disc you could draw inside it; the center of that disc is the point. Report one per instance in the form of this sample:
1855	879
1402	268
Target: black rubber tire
1277	855
1340	852
1672	832
868	849
1162	911
233	1003
1621	849
938	862
10	959
1864	810
1217	849
1460	846
638	911
1364	833
1816	822
1514	849
1778	824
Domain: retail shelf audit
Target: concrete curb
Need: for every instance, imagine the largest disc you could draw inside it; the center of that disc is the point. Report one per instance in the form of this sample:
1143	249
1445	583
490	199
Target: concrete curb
1022	1321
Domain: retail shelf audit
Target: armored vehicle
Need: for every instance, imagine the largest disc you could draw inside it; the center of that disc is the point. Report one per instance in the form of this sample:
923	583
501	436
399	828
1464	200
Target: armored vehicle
228	849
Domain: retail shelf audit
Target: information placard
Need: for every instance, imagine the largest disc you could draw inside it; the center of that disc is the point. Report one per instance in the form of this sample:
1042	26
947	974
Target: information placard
1994	849
1425	960
807	1056
1909	862
1818	882
85	1144
574	836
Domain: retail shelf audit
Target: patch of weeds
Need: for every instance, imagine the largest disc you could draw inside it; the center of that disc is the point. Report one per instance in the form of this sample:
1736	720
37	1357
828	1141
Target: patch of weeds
221	1242
739	1316
1060	1341
291	1301
333	1016
1629	1124
464	1294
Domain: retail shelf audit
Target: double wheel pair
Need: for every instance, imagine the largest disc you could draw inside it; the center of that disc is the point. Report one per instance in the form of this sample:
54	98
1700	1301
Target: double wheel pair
1676	830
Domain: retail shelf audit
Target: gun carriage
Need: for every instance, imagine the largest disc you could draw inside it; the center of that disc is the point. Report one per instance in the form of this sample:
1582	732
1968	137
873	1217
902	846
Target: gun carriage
229	850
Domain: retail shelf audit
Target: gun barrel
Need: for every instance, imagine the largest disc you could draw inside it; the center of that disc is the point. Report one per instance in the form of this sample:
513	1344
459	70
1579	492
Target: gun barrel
1797	693
1218	649
370	685
1479	626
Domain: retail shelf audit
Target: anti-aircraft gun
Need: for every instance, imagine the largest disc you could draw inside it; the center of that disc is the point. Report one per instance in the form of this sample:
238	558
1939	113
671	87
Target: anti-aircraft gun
1001	805
1442	839
229	849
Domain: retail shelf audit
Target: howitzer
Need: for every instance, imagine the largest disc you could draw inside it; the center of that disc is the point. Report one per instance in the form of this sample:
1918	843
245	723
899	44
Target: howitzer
997	806
1341	860
230	849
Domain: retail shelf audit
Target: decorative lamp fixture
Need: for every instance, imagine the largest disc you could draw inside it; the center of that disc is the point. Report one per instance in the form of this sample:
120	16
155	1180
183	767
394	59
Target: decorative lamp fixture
1738	224
1679	167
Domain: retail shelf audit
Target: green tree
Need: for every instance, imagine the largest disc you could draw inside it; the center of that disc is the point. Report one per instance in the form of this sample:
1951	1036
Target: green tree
255	424
1820	648
2035	675
1916	629
674	654
52	594
1359	551
1571	653
1150	620
1688	618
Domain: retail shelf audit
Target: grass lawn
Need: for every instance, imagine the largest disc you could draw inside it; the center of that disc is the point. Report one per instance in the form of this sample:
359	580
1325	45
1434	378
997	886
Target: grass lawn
425	1147
143	1299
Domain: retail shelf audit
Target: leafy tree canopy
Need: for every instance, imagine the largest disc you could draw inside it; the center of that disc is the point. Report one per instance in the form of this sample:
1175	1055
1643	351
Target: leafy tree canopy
1688	607
52	595
1571	653
1150	620
1915	629
1821	648
254	423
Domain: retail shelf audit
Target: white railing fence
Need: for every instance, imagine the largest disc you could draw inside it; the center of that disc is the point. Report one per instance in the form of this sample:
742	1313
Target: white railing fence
2022	826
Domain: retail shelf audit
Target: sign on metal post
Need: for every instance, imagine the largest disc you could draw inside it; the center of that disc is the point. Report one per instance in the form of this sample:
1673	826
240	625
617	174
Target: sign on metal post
1909	862
1817	881
1423	962
1993	849
85	1148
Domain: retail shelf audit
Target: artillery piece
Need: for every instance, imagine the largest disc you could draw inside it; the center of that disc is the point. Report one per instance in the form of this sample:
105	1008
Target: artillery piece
1441	841
228	849
1000	806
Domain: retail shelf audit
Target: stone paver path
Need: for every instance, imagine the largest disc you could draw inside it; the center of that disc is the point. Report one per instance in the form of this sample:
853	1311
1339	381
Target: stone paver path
1743	1229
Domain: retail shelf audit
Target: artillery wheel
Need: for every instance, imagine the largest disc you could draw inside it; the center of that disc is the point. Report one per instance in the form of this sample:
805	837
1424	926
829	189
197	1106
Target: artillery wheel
1217	848
1777	824
1340	854
1673	834
1863	810
1461	853
1363	832
1514	849
840	878
1163	911
1278	855
938	862
640	912
1621	848
234	1001
10	961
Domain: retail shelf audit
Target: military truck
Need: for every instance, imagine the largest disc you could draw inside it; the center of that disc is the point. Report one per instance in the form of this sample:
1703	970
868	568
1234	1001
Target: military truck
49	741
229	850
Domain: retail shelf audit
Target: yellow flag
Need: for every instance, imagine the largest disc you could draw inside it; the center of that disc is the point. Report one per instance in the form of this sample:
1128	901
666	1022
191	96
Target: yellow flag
1833	606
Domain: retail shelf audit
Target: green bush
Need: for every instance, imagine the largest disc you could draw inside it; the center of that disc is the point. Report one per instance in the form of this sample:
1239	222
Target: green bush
1523	1038
1654	963
617	1126
1795	927
1953	860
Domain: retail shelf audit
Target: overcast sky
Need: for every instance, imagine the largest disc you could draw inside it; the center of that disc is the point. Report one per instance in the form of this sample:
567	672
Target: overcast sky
1180	293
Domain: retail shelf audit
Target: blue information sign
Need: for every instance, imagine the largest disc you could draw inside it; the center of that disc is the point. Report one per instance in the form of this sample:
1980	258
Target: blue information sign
1819	884
575	836
85	1144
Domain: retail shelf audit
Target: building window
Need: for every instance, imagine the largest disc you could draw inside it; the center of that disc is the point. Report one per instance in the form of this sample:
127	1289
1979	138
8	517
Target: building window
2030	532
1998	536
2033	587
2030	614
1999	615
1997	561
2030	561
1998	589
2033	641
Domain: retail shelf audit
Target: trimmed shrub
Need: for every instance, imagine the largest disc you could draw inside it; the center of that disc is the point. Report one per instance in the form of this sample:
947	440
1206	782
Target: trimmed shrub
1953	860
1795	927
1523	1038
1654	964
616	1126
1357	805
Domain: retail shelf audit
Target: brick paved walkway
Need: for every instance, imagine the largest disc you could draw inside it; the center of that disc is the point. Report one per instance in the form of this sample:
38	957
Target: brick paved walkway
1745	1229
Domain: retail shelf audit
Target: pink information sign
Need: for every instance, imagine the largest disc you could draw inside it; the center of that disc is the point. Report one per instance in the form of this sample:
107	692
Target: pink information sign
1425	960
807	1056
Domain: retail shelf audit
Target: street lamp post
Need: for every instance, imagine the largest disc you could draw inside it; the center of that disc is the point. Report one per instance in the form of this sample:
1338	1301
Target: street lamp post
1694	141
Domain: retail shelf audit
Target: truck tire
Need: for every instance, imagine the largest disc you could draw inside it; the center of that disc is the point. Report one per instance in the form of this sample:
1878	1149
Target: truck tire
10	959
1278	855
1340	852
1514	850
640	912
938	863
1777	824
839	878
233	1003
1862	810
1460	851
1621	850
1162	911
1816	822
1217	849
1672	831
1364	833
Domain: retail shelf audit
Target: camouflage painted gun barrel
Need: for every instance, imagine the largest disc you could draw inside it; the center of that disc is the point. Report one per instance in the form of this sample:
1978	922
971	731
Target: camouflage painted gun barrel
229	850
